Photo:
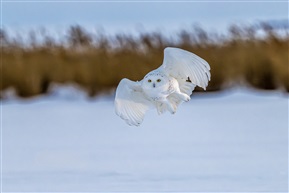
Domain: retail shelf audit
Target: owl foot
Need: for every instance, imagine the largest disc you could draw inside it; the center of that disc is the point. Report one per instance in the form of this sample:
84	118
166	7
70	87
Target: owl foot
188	98
171	108
173	111
184	97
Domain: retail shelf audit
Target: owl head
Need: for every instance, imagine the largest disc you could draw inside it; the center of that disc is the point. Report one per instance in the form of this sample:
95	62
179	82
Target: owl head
154	81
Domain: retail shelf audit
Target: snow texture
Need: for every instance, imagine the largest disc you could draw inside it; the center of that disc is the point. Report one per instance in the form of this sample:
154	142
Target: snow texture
233	141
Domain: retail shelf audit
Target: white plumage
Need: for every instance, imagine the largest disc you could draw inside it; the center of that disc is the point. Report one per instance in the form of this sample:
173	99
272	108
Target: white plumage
164	88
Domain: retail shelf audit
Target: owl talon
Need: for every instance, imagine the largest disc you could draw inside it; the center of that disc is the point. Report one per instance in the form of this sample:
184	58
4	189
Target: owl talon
184	97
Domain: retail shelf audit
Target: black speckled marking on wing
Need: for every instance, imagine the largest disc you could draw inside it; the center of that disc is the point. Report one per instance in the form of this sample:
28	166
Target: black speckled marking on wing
155	74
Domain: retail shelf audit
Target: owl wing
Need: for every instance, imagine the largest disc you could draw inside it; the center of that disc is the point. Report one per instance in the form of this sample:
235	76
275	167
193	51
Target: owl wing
186	67
130	102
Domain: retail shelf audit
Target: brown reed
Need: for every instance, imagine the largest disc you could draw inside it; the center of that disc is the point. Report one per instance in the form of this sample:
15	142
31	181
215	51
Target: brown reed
97	62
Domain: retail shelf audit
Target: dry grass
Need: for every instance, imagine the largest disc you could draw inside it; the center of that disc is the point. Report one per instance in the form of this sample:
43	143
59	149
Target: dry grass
98	63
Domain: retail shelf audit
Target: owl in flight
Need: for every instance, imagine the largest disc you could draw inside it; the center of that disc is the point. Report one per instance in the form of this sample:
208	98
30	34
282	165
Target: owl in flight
164	88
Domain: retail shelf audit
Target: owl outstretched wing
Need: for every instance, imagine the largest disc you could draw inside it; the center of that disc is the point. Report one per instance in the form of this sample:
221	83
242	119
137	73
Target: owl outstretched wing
186	67
130	102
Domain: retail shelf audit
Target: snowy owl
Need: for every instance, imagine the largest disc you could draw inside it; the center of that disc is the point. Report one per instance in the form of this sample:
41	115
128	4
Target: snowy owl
164	88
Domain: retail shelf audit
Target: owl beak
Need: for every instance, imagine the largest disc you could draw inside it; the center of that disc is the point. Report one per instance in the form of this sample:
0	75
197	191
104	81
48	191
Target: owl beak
154	85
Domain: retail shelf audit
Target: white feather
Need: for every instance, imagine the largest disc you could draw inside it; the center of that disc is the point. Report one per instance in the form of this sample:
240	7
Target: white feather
182	64
130	102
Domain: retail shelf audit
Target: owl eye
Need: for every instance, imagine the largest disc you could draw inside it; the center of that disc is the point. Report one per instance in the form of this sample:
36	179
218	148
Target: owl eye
158	80
149	80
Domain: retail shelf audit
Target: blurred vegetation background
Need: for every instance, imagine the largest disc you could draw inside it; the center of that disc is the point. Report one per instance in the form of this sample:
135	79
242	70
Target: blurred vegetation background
252	55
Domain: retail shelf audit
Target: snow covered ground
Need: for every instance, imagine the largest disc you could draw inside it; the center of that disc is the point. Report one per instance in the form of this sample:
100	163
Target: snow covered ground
232	141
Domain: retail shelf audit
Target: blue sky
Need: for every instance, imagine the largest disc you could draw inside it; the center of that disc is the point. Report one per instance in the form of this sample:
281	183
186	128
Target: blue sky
130	16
